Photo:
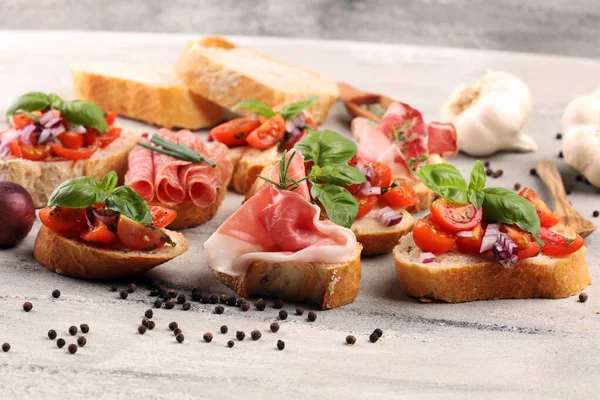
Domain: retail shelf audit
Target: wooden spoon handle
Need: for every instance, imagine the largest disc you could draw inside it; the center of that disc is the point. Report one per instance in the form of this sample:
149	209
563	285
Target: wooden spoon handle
348	92
548	171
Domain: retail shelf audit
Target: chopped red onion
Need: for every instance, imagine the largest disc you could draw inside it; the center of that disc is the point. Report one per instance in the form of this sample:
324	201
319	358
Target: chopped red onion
52	123
289	125
293	138
426	258
49	134
490	237
89	217
389	217
209	139
366	171
46	117
366	189
108	217
7	137
76	128
464	234
25	133
506	251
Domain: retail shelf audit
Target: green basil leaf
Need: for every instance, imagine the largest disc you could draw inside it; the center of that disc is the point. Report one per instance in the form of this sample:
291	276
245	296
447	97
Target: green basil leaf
326	147
341	207
82	112
477	179
476	198
257	107
445	180
109	182
32	101
293	109
78	193
337	174
503	205
126	201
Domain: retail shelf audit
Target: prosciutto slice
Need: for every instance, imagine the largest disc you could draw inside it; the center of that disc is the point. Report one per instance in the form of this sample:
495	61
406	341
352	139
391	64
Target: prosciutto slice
141	171
442	139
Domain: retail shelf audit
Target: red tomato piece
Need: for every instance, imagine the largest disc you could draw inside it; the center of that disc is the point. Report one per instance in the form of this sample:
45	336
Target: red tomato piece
401	196
73	154
162	216
268	134
471	244
528	246
429	237
113	134
139	236
99	234
71	140
27	152
234	132
66	221
382	174
454	217
110	118
560	241
365	204
547	218
20	120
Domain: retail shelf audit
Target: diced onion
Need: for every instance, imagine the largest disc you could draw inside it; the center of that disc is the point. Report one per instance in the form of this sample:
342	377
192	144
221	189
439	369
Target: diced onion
426	258
7	137
366	189
46	117
49	134
366	171
76	128
506	251
52	123
490	237
389	217
464	234
25	133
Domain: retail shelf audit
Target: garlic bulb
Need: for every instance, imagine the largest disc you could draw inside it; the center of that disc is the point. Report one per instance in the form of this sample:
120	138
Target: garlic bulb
581	136
489	115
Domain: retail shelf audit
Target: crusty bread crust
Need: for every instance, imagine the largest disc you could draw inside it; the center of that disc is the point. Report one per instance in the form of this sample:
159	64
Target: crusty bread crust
326	285
40	178
169	105
248	163
425	196
466	278
377	238
80	260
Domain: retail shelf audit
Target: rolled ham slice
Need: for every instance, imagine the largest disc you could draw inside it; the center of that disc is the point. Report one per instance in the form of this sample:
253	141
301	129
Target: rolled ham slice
141	171
169	189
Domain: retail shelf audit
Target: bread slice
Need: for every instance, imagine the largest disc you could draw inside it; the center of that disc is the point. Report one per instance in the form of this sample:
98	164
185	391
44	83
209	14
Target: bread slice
326	285
248	163
226	74
425	196
40	178
80	260
149	93
456	278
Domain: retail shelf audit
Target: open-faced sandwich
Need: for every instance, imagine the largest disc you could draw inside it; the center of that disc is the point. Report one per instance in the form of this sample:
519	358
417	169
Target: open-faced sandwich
276	245
353	192
50	140
258	141
405	142
93	229
488	243
179	171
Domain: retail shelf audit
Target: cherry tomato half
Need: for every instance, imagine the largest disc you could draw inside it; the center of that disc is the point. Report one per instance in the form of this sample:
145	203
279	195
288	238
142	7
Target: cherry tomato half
365	204
110	118
99	234
528	246
268	134
139	236
20	120
560	241
162	216
454	217
28	152
547	218
430	237
401	196
471	244
73	154
71	140
234	132
66	221
382	174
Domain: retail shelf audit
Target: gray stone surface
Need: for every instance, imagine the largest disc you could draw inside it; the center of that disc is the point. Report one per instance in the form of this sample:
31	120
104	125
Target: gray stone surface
541	26
492	349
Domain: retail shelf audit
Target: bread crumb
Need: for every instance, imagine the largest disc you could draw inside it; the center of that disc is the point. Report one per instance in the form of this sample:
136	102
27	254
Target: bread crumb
585	329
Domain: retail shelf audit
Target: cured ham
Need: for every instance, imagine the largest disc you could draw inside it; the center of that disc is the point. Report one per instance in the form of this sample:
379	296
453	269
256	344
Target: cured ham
442	139
278	225
169	189
141	171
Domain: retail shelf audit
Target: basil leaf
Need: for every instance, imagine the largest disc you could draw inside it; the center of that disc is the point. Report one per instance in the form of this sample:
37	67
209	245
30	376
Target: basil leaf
293	109
476	198
341	207
257	107
326	147
82	112
477	179
337	174
503	205
32	101
126	201
78	193
110	181
445	180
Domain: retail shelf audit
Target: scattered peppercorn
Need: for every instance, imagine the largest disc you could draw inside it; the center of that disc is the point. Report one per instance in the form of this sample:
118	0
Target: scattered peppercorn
245	306
27	306
280	344
283	314
186	306
73	330
169	304
142	329
213	299
240	301
179	338
497	174
374	337
205	299
72	349
274	327
149	313
182	298
151	325
223	298
208	337
231	301
596	213
196	294
5	347
533	172
260	305
56	293
230	344
171	293
559	136
224	329
486	164
85	328
60	343
517	186
312	316
113	289
278	304
123	294
560	154
350	339
255	334
219	309
131	288
177	331
173	325
299	311
579	178
81	341
145	322
154	292
157	303
583	297
378	332
569	190
240	335
489	172
52	334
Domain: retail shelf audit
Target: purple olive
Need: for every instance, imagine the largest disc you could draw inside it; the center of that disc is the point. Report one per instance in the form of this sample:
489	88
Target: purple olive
17	213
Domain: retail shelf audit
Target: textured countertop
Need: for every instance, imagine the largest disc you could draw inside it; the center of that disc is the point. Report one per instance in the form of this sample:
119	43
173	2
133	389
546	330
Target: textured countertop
490	349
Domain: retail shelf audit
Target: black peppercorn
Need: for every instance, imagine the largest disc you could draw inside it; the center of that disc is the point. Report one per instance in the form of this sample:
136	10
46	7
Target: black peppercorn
151	325
579	178
157	303
177	331
60	343
182	298
186	306
596	213
131	288
517	186
559	136
213	299
378	332
261	305
240	335
169	304
145	322
153	292
219	309
56	293
223	298
27	306
274	327
486	164
278	304
85	328
73	330
205	299
123	294
240	301
113	289
312	316
283	314
149	314
489	172
72	349
81	341
173	325
179	338
171	294
350	339
52	334
245	306
583	297
141	329
280	344
299	311
255	335
560	154
5	347
498	173
533	172
230	344
196	294
374	337
224	329
208	337
231	301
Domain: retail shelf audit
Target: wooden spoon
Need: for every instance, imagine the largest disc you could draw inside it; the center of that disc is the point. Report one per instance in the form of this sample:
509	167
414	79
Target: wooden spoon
548	171
354	98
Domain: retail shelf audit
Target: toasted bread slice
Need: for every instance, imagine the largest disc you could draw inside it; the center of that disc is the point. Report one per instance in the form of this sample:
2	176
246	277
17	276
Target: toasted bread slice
149	93
226	74
425	196
40	178
80	260
326	285
248	163
456	277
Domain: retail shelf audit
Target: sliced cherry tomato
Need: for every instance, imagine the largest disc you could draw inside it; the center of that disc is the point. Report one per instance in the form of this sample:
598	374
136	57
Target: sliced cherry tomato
268	134
113	134
365	204
27	152
454	217
401	196
110	118
100	234
71	154
528	246
430	237
71	140
64	220
471	244
139	236
382	174
161	216
234	132
20	120
90	136
547	218
311	122
560	241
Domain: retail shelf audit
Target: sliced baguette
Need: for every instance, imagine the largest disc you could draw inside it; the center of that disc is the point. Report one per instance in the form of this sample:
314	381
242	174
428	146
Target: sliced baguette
248	163
326	285
40	178
149	93
79	260
457	278
226	74
425	196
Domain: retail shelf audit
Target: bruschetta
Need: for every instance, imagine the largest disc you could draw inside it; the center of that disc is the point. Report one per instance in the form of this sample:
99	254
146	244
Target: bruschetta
181	172
93	229
50	140
276	245
488	243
